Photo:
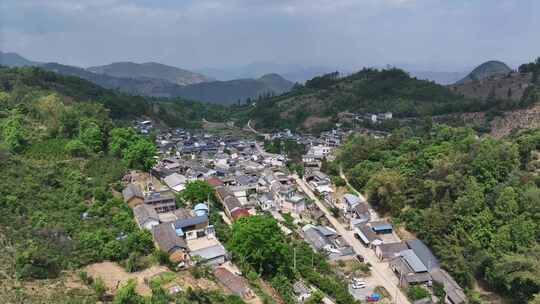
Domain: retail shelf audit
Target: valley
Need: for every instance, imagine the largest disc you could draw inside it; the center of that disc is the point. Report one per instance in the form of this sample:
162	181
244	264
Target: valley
264	174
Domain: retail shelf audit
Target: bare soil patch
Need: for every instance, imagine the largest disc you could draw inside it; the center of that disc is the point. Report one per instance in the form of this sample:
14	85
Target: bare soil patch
115	276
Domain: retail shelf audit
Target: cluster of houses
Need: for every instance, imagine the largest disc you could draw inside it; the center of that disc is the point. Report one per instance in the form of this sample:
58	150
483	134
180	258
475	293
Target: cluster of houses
368	117
247	180
412	261
180	232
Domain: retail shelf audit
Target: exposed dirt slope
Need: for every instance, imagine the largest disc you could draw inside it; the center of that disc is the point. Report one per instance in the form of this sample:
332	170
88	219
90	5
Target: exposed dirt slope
509	86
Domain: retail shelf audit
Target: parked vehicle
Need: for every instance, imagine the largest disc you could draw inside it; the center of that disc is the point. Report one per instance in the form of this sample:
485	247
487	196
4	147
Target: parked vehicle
374	297
360	258
356	283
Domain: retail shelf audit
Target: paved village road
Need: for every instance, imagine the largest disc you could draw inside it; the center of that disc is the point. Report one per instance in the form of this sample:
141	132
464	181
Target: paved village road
380	271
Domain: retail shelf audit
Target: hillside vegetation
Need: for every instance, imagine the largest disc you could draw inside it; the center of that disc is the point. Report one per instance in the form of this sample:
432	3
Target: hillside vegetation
369	90
175	112
62	157
474	201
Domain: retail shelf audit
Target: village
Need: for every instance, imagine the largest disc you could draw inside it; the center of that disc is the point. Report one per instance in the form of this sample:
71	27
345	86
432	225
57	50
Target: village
378	261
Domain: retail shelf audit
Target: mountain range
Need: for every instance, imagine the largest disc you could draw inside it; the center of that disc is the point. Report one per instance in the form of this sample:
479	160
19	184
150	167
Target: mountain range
159	80
150	70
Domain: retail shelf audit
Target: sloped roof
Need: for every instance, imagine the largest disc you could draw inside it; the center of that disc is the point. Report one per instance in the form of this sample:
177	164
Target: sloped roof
235	283
209	253
239	212
144	213
190	221
174	180
423	253
131	191
351	199
413	261
166	238
315	238
214	181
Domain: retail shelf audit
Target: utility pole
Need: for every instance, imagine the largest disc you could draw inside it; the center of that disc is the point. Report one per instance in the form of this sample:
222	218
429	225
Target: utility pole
294	258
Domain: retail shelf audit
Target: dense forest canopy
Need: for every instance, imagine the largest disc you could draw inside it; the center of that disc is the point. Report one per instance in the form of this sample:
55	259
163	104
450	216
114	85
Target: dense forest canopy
475	201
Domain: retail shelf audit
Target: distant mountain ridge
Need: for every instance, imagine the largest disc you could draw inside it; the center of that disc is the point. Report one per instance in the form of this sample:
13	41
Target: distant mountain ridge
486	70
159	80
150	70
15	60
229	92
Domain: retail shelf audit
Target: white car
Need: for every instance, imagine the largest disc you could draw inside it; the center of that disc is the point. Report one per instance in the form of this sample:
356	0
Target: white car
358	285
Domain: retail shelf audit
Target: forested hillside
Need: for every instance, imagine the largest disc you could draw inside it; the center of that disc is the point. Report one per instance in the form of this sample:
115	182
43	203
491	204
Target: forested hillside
62	157
369	90
175	112
475	201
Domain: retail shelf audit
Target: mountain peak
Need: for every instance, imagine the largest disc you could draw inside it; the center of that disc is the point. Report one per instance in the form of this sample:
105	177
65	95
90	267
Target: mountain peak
486	70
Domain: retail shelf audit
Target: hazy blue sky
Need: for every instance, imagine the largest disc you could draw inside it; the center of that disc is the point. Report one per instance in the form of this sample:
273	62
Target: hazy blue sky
436	34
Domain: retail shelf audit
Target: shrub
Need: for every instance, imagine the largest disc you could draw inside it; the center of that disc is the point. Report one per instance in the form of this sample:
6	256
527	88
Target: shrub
415	293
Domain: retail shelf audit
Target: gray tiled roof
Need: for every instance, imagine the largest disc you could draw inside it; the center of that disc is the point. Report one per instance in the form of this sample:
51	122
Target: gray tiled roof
423	253
144	213
131	191
413	261
166	238
190	221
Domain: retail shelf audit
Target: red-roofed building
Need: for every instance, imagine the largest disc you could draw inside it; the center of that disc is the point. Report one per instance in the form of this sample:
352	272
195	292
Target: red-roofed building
214	181
239	212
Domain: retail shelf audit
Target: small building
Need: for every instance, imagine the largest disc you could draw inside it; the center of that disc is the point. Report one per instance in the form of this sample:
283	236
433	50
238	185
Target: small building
193	227
349	201
161	201
145	216
366	235
201	209
214	181
175	182
233	282
239	212
454	293
169	242
266	201
423	253
409	269
301	291
381	228
361	212
389	251
208	250
132	195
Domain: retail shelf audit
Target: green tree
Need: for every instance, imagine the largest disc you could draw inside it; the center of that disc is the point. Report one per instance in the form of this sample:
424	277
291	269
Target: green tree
385	191
197	191
90	135
415	293
258	241
76	148
13	132
120	139
316	298
127	294
506	206
140	155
